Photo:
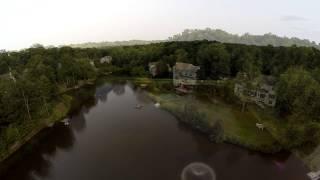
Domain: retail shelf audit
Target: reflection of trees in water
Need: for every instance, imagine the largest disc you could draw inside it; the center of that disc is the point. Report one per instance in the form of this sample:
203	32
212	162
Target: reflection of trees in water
78	122
34	159
131	85
142	97
119	89
103	91
204	148
83	99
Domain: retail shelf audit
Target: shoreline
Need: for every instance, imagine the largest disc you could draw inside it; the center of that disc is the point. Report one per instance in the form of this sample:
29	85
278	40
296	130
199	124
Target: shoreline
226	139
64	104
204	127
229	139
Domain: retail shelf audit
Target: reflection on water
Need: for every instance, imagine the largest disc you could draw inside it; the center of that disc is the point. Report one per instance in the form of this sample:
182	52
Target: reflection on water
109	139
36	162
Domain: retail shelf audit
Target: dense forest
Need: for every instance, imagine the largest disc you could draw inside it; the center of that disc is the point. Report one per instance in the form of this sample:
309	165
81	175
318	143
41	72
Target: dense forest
112	44
249	39
212	35
32	79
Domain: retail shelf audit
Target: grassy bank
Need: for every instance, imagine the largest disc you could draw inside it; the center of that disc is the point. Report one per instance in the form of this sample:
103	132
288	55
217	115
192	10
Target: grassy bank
21	132
238	127
63	89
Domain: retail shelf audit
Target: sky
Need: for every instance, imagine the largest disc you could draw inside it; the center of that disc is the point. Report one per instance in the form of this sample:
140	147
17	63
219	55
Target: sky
57	22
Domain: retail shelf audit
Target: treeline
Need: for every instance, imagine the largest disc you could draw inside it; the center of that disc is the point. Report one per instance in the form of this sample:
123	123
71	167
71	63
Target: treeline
113	44
211	35
40	74
297	70
31	82
225	37
66	66
31	79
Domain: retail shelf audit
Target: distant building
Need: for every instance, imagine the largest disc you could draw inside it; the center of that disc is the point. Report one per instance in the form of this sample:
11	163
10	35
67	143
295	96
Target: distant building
153	68
185	74
261	91
106	59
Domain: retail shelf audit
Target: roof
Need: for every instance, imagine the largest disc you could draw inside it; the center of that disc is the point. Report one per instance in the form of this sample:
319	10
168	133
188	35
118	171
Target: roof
153	63
186	66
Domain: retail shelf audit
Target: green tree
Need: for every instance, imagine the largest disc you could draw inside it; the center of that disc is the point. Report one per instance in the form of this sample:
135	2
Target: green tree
181	55
299	93
138	71
214	59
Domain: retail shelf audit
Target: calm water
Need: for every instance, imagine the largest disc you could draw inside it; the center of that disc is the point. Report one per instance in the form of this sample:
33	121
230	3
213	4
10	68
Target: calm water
109	139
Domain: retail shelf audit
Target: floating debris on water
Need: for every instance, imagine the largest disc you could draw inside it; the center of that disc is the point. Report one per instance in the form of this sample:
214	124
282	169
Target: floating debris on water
66	122
139	106
157	105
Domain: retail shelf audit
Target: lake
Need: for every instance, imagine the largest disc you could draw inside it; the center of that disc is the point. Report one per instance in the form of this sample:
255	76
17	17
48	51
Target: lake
108	138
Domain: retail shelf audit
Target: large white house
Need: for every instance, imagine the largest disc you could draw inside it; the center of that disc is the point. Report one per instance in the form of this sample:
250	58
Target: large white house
185	74
106	59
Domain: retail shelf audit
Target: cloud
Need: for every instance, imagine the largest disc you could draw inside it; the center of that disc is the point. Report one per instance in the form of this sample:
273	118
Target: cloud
293	18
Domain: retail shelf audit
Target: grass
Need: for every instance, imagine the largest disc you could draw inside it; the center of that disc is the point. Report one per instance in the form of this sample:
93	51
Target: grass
239	127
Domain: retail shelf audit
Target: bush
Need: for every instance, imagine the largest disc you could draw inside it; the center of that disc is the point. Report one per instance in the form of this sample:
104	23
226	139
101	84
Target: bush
198	120
298	135
138	71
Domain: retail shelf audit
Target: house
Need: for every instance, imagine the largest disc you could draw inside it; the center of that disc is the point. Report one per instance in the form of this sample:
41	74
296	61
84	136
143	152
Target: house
153	68
185	74
106	59
261	91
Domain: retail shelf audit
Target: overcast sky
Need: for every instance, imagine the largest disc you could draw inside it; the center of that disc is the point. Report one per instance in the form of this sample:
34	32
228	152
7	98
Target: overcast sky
56	22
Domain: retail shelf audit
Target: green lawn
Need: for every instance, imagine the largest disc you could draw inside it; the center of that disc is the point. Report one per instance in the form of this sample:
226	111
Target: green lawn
239	127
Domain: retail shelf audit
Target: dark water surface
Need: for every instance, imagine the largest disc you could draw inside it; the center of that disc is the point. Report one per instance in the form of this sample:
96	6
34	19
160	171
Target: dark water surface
108	139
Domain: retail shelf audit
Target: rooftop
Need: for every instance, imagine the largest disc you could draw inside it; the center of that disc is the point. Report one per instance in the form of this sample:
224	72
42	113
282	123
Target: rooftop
186	66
